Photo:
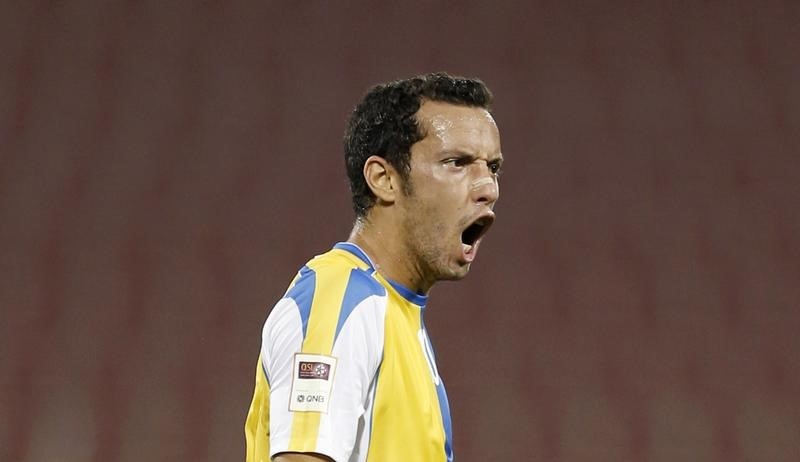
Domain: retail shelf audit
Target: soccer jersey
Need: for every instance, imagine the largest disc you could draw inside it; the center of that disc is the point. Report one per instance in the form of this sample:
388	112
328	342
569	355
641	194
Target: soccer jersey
346	369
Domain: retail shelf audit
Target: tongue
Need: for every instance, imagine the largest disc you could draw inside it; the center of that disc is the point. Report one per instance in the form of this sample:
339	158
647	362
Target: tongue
469	252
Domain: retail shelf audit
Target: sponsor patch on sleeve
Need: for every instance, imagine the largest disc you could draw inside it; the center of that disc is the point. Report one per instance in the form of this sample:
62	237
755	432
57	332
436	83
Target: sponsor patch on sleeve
312	380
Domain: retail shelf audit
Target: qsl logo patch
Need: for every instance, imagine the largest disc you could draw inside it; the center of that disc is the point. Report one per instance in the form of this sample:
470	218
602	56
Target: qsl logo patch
313	370
312	382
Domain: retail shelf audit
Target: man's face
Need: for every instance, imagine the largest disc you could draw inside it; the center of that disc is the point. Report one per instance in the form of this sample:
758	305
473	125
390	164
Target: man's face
452	188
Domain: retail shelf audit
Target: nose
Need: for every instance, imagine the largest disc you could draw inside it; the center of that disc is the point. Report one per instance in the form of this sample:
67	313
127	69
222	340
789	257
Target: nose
485	189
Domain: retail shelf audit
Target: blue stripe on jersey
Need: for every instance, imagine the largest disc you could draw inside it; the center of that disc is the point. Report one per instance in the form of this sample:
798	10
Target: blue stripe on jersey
355	250
360	286
444	407
441	393
302	292
408	294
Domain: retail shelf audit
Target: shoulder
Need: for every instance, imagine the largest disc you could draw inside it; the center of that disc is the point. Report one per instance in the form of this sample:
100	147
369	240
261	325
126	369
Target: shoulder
334	272
330	282
361	284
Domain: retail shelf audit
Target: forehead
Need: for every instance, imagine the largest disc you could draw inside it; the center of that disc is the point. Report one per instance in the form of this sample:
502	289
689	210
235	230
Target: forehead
455	127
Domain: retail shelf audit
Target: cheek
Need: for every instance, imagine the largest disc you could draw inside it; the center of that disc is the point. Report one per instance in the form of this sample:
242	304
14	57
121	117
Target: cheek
437	201
445	192
429	220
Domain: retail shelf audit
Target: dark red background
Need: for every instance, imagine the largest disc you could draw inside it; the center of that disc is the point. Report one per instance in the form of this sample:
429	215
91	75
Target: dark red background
165	167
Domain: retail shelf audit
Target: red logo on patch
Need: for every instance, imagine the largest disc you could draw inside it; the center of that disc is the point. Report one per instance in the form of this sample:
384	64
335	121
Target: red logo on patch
313	370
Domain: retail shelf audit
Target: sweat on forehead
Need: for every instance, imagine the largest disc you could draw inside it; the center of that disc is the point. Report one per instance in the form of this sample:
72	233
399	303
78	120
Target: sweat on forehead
437	118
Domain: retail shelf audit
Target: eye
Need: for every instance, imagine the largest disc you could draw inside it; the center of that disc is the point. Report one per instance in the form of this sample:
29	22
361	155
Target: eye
494	167
458	161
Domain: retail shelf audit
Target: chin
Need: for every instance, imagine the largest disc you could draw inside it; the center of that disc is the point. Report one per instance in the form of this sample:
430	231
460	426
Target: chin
454	274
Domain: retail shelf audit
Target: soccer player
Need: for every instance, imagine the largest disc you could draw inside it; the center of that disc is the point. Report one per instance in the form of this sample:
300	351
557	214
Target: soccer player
346	371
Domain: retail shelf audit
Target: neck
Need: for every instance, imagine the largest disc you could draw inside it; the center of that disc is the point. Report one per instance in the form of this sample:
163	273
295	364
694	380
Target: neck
385	248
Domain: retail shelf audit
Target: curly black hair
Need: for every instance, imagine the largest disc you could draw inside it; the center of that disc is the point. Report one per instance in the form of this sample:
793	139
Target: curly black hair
384	124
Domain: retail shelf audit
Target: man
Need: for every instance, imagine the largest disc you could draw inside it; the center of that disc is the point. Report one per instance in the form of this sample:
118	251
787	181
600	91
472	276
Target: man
346	371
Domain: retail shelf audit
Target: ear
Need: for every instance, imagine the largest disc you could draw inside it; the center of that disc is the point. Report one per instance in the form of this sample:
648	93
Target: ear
382	179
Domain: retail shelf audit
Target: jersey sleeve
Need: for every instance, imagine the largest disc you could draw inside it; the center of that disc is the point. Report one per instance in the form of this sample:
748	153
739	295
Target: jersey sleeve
321	349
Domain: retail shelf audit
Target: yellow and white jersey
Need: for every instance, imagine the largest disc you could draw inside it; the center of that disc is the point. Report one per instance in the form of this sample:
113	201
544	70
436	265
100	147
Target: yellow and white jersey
346	369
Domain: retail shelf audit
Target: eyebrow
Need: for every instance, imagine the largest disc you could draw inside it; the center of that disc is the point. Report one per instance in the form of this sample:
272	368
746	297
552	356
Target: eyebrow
494	159
460	153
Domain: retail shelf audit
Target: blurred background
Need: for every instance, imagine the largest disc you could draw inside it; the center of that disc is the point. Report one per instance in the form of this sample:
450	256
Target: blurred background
166	167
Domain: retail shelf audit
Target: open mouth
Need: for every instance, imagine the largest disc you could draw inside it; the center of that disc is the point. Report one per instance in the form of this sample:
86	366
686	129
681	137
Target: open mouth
476	230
